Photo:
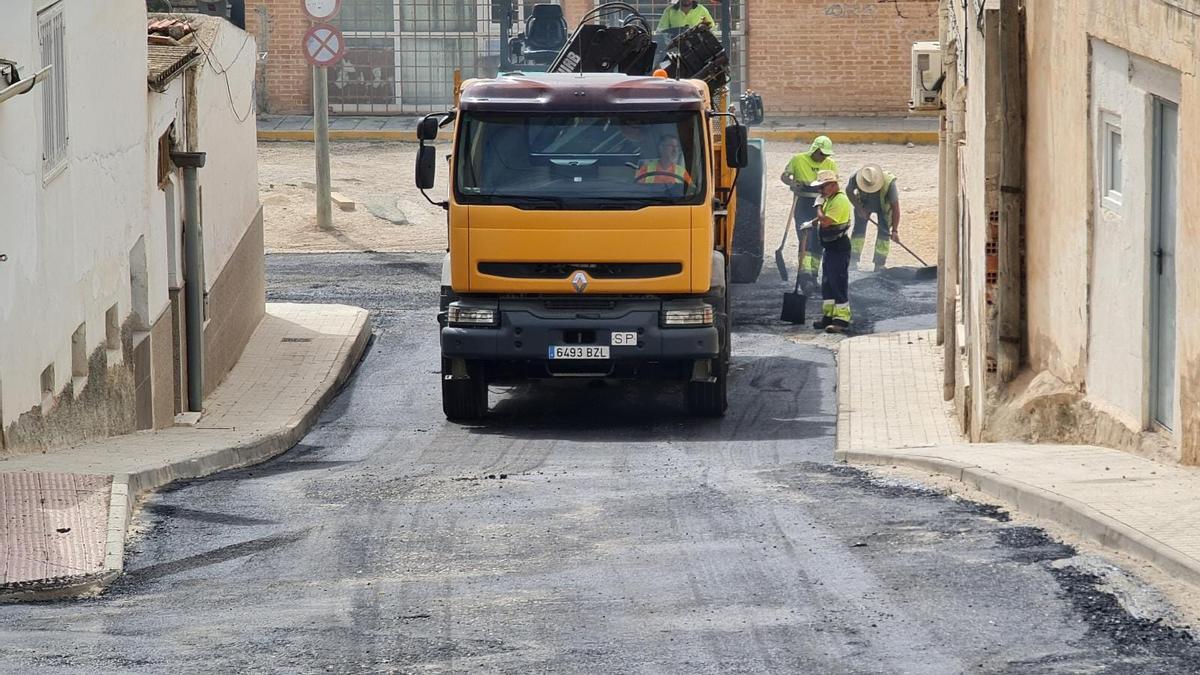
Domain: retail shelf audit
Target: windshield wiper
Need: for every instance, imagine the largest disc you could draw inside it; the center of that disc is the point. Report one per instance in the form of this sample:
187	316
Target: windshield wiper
523	200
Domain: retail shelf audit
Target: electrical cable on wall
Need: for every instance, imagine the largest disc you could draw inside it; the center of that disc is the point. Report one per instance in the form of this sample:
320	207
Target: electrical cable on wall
223	71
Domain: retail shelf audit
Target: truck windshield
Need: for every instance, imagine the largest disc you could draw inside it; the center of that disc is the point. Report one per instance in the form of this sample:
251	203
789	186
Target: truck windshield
585	161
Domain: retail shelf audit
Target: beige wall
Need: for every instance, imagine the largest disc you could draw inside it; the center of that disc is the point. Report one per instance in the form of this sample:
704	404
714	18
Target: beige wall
1074	280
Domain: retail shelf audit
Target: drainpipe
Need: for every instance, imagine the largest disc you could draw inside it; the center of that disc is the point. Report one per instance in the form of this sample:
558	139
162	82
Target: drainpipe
193	272
1012	190
948	266
943	187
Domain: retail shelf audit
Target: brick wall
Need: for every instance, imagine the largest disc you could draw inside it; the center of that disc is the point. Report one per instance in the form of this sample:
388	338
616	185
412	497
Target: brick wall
284	79
813	57
863	47
573	10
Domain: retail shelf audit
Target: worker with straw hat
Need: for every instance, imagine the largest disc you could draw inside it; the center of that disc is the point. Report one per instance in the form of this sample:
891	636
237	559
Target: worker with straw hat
873	192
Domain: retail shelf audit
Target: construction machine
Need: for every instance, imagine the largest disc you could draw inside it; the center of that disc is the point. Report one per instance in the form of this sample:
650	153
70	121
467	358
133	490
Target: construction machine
591	216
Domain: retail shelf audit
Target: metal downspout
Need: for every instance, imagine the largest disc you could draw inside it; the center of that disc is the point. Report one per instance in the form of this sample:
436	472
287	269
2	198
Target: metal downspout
193	273
1012	191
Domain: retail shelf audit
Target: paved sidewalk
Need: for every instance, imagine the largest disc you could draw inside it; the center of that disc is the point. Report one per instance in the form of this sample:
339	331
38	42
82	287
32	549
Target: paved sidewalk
891	413
898	130
63	514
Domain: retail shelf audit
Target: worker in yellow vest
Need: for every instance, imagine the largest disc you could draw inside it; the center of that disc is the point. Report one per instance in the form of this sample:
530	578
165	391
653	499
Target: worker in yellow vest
684	14
799	175
873	191
832	226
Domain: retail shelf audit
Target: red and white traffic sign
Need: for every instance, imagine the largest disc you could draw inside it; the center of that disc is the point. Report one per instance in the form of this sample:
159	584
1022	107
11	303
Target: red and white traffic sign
322	10
324	45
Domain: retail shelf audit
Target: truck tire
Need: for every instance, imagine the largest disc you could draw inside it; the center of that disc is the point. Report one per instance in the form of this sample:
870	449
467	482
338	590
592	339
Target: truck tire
465	400
746	260
711	399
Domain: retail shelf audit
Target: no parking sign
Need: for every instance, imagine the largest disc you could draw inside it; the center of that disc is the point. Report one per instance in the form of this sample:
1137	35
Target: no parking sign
324	45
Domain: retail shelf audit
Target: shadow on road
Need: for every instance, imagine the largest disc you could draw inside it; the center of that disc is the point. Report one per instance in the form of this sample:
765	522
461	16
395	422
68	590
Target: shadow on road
770	398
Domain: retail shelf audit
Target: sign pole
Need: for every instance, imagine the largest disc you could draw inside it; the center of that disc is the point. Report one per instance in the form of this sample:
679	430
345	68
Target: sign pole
324	45
321	125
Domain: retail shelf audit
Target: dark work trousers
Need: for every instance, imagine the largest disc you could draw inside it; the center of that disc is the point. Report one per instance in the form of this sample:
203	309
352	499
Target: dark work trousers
883	238
835	279
810	257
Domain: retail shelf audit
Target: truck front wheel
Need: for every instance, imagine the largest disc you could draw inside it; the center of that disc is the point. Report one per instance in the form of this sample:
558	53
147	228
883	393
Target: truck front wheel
711	398
464	399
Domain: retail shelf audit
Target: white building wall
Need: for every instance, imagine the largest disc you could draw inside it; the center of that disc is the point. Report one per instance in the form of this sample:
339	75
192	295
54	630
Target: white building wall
67	237
226	130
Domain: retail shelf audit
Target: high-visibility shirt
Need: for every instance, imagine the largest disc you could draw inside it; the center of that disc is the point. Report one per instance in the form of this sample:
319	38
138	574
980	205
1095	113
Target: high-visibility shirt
838	209
676	17
653	166
804	170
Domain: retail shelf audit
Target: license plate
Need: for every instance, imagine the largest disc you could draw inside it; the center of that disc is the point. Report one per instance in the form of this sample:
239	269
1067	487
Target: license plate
580	352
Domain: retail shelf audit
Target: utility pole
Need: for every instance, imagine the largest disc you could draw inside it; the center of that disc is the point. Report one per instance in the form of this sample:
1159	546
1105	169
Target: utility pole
321	130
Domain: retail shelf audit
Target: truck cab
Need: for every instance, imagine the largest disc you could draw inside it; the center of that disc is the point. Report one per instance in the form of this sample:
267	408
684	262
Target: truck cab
589	220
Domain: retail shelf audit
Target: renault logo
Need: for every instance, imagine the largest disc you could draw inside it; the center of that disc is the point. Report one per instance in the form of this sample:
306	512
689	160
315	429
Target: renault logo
580	282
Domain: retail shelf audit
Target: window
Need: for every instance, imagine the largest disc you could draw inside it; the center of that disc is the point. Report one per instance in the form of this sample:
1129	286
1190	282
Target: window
1110	161
51	35
587	161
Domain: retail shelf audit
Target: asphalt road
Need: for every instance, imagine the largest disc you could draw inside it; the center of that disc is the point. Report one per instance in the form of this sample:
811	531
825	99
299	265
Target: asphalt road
582	529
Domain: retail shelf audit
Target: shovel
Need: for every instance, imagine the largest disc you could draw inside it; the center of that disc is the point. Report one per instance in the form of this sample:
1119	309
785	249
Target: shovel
927	271
794	303
779	261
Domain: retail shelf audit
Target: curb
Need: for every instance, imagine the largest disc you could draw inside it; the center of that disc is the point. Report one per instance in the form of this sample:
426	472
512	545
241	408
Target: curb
1037	502
781	135
128	488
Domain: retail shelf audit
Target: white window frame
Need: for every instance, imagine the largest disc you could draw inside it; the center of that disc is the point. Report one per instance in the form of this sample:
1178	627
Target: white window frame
51	24
1112	162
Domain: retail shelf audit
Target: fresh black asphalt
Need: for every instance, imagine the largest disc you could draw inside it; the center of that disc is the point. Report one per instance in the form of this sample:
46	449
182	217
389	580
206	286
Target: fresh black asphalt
582	529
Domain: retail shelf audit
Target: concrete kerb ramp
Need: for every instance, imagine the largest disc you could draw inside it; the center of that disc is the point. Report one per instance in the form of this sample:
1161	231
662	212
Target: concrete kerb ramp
129	487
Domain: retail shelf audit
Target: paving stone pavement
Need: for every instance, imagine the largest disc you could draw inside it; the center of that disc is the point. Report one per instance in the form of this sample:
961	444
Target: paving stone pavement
890	393
63	513
891	412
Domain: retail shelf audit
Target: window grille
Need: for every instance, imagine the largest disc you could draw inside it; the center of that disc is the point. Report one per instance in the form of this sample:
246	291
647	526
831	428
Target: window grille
51	38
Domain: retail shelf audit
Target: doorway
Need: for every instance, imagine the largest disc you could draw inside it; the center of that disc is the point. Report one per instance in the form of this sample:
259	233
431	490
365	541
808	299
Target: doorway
1164	204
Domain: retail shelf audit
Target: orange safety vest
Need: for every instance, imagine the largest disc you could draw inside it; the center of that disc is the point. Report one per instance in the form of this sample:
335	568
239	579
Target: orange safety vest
654	166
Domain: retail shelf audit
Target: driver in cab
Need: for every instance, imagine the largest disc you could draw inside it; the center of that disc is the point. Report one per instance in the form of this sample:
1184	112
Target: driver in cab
666	169
684	14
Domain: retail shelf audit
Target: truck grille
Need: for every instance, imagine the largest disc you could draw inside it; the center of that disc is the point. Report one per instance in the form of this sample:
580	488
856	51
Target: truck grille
538	270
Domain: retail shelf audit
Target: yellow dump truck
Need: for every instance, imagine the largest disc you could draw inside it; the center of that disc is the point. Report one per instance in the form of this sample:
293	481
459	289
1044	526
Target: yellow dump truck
590	225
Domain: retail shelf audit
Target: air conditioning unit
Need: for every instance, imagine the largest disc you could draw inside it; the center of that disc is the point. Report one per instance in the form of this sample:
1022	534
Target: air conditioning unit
926	76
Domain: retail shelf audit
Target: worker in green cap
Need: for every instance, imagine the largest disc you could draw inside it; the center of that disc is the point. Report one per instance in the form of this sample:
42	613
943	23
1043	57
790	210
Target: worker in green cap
799	175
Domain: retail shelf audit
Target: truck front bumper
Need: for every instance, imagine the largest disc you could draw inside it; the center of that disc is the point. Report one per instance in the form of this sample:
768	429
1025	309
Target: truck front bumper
519	344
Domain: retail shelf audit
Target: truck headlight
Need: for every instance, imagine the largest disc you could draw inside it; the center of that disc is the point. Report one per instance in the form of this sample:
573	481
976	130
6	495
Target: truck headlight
457	315
690	316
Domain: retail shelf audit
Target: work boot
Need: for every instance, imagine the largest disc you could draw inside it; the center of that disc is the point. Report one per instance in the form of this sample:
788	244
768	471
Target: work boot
823	323
837	326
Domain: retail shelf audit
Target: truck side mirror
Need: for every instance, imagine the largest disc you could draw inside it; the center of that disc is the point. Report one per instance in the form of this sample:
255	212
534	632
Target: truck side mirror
737	146
426	166
427	128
